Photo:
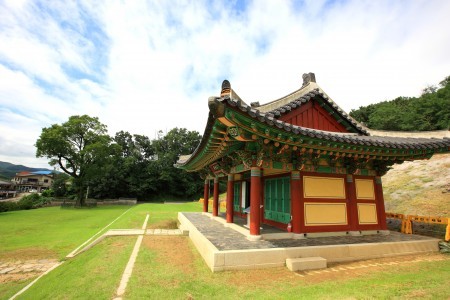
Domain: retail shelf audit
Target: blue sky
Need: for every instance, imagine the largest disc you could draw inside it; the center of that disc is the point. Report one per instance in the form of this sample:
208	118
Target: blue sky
145	66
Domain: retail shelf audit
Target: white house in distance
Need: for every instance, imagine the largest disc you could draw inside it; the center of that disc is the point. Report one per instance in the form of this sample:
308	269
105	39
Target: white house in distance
33	181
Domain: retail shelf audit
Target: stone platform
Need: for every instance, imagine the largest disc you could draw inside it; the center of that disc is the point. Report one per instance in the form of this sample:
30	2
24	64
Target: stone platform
226	247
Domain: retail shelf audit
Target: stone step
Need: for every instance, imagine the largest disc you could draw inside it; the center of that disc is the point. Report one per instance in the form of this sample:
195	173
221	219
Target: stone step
306	263
165	232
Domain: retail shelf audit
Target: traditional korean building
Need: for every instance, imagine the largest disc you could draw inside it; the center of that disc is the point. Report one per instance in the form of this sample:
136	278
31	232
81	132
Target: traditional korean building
299	163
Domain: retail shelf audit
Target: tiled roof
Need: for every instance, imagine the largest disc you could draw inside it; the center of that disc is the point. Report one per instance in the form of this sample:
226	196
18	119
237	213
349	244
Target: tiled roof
216	139
302	96
310	95
351	138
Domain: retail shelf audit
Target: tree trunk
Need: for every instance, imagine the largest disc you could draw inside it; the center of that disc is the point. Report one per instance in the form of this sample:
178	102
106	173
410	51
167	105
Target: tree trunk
80	198
80	195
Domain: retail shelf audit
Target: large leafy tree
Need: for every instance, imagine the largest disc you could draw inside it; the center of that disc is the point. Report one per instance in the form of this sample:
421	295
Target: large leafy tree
173	181
133	173
80	147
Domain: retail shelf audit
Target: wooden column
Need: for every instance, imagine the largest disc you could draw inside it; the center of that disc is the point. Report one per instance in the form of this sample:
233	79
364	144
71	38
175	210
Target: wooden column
230	198
216	197
381	214
352	206
255	201
206	195
297	203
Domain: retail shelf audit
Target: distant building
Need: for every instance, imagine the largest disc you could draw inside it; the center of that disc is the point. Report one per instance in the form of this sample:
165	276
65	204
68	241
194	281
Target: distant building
37	181
7	189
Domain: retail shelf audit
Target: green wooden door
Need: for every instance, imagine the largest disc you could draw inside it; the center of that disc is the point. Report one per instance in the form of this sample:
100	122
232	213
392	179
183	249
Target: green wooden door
237	196
277	199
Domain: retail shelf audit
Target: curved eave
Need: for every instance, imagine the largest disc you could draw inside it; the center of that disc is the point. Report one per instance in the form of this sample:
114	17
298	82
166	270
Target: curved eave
253	125
258	123
214	144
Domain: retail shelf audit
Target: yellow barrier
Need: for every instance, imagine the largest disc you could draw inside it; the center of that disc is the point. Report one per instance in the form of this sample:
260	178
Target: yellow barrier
407	222
223	204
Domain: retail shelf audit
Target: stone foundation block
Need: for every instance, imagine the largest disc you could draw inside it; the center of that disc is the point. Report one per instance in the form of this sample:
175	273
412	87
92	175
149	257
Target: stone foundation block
306	263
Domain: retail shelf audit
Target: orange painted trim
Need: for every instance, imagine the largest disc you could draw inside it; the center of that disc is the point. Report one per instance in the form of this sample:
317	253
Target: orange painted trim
331	228
206	196
278	225
216	198
352	206
255	200
230	198
379	198
296	203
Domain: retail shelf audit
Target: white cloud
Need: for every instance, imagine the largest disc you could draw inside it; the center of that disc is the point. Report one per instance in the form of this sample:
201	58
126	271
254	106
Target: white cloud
143	66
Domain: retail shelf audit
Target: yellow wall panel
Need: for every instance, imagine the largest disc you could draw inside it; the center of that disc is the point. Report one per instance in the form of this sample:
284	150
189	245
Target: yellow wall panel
323	187
365	189
367	213
322	214
268	171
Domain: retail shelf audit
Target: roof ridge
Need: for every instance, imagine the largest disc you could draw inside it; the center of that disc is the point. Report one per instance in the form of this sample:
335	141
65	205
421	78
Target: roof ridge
390	142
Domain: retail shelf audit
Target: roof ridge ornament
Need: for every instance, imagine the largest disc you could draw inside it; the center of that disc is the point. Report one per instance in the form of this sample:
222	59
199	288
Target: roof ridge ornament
226	88
308	77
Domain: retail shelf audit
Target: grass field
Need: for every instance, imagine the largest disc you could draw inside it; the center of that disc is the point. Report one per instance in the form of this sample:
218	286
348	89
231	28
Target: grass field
178	272
50	232
170	267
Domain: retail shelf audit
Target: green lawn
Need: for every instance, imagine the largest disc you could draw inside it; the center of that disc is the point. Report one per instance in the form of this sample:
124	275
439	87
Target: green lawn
54	232
171	268
9	289
175	277
158	213
51	232
94	274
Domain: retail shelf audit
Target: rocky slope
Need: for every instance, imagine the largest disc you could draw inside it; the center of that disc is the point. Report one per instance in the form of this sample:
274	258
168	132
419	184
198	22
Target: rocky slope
419	187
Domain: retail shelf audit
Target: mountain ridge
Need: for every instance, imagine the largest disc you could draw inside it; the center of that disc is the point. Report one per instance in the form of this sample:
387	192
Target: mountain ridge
9	170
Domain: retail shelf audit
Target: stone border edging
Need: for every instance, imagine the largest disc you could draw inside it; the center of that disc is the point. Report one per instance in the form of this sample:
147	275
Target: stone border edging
130	265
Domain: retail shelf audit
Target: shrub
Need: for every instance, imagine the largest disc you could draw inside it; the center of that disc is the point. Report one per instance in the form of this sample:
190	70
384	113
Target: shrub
48	193
33	201
26	202
8	206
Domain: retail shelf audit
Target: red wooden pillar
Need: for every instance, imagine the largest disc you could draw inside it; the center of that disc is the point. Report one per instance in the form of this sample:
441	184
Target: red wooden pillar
381	214
255	201
296	203
206	196
352	205
216	197
230	198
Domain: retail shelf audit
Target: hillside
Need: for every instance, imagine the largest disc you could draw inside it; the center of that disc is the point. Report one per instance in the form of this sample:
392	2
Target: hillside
419	187
430	111
9	170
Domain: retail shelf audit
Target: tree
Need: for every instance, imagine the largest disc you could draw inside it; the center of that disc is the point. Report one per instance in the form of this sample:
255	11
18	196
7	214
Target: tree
80	147
173	181
430	111
59	184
